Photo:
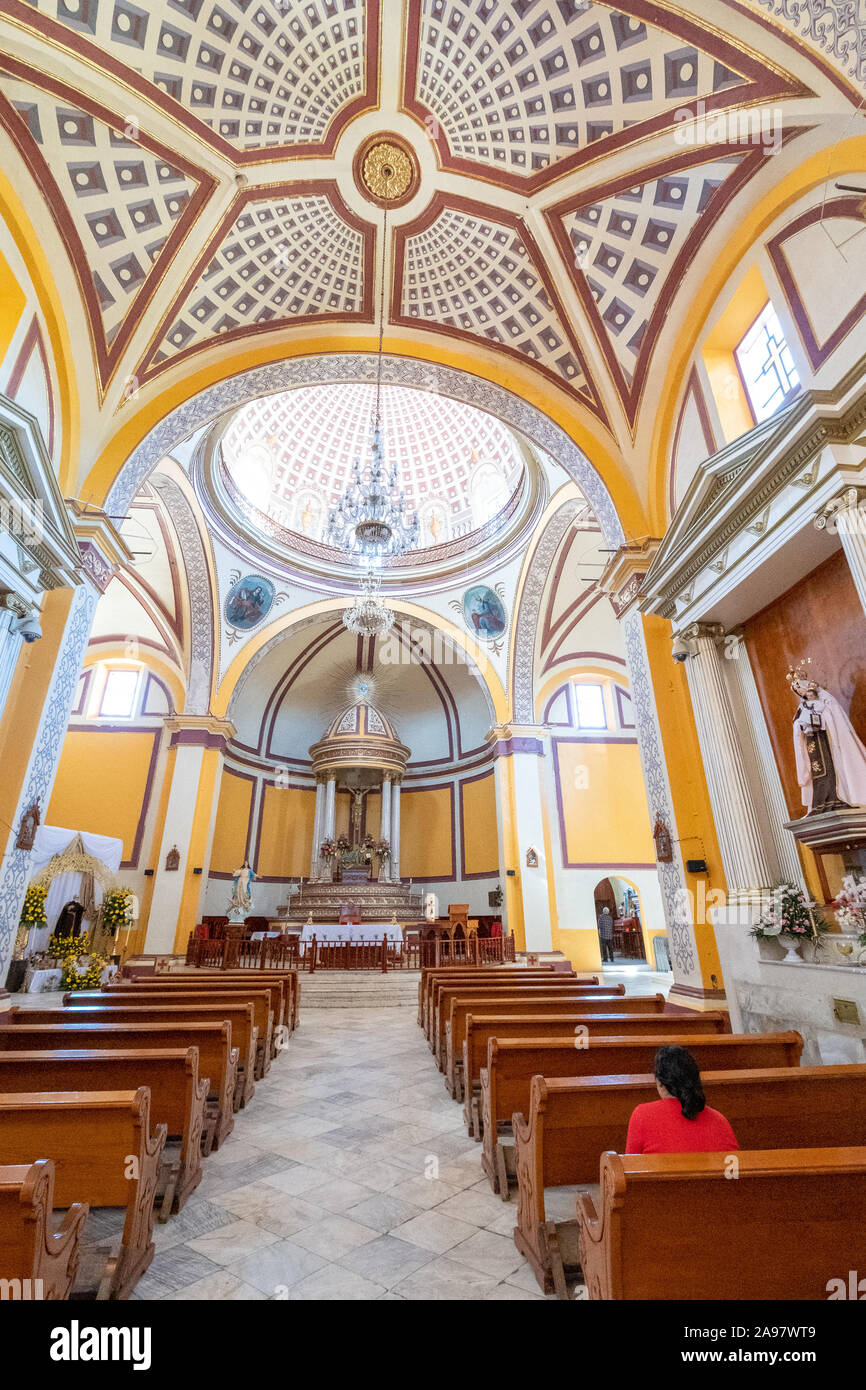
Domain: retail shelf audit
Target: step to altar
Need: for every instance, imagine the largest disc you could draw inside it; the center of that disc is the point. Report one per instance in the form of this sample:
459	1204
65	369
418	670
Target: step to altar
356	989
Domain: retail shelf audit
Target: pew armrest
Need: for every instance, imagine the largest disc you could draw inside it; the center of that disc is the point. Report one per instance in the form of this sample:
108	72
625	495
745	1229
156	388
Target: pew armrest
591	1224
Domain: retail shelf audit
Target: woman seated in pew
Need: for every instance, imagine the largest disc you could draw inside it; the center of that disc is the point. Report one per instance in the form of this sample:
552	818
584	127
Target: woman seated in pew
681	1122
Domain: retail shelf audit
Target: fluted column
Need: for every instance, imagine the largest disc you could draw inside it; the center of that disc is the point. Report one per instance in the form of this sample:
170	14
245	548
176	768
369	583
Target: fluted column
317	828
330	807
395	832
790	868
745	861
385	829
846	515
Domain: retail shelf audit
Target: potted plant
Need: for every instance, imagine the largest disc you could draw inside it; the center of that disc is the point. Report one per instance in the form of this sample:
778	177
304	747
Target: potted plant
791	918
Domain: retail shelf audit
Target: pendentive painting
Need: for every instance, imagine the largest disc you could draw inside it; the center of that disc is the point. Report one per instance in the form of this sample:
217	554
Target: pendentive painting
249	601
484	613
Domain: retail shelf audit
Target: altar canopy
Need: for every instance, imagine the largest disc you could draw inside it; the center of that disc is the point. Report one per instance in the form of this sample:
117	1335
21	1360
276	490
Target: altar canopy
52	840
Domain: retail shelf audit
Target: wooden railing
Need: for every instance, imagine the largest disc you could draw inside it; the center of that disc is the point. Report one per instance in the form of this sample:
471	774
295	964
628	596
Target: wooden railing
328	954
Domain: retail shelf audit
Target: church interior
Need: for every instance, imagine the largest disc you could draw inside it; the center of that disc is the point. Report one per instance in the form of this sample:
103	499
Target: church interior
432	621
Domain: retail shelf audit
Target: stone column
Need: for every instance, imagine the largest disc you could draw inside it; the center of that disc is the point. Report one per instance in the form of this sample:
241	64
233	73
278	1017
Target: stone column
31	738
330	807
194	768
11	607
395	831
846	515
521	800
790	868
317	828
385	825
747	866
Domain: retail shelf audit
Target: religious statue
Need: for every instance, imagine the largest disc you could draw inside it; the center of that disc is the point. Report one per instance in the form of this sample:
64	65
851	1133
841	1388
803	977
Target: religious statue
830	758
69	921
357	813
241	903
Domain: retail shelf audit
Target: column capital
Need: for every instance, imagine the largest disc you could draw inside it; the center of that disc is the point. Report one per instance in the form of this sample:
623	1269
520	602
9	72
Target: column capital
834	515
199	730
706	632
506	740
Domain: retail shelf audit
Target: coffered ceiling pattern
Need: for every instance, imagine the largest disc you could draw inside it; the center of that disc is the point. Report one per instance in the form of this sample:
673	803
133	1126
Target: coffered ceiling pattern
557	214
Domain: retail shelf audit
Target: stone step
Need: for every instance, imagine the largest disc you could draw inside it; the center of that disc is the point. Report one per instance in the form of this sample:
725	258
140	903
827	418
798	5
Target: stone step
356	989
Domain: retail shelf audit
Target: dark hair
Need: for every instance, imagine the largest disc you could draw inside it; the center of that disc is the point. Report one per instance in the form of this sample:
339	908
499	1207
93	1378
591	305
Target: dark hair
677	1070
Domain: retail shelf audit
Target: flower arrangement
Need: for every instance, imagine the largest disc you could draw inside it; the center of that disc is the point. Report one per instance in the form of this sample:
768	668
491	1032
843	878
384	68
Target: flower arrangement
343	842
790	913
383	849
73	977
61	947
33	909
327	849
850	907
116	909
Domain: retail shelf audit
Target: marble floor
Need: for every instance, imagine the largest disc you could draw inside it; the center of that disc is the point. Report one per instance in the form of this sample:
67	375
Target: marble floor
349	1176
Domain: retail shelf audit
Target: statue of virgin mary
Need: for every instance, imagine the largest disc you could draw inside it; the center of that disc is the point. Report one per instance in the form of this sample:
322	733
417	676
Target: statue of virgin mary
831	760
242	891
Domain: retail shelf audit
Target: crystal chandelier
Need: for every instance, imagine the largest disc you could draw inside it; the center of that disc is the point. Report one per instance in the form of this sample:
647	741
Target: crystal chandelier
369	615
373	518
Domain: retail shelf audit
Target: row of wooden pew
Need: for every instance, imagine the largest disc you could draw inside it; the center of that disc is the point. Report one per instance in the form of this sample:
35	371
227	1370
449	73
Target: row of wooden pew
108	1107
550	1067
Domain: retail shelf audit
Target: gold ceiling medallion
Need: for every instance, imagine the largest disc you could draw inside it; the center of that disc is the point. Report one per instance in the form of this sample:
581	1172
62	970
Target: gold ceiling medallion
386	171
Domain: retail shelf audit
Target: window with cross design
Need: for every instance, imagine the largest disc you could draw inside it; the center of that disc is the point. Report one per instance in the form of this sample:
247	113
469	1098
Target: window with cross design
766	365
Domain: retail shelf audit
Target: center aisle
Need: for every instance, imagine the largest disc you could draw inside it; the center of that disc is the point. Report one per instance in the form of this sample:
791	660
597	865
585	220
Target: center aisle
350	1177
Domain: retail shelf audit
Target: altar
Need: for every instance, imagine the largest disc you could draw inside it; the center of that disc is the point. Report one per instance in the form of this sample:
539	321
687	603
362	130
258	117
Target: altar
351	931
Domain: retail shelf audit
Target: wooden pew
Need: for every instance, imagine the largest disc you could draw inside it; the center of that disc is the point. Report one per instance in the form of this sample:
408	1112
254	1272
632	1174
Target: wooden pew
442	990
177	1099
671	1226
105	1153
279	996
512	1063
218	1059
289	980
571	1122
447	993
542	1005
238	1014
464	1008
37	1261
502	974
263	1016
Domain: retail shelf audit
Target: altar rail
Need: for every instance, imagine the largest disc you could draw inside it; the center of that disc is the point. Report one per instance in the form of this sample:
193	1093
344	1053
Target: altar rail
329	954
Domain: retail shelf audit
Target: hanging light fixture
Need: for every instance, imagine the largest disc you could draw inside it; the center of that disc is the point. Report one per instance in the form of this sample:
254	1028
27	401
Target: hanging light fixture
369	615
373	518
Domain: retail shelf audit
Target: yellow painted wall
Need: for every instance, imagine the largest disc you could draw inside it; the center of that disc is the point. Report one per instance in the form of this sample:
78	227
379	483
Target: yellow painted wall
232	823
101	784
12	302
426	831
606	817
287	832
374	816
478	813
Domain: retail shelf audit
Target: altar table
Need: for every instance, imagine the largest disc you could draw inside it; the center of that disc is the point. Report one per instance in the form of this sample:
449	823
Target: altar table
351	931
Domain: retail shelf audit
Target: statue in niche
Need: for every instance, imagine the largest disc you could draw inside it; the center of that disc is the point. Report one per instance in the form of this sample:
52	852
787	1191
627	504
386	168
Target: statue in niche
69	921
830	758
241	904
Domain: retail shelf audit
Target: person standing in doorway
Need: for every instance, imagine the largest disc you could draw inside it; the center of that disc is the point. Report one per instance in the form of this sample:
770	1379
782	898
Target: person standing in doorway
605	934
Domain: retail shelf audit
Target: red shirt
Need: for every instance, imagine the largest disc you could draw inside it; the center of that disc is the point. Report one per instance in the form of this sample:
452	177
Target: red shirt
660	1127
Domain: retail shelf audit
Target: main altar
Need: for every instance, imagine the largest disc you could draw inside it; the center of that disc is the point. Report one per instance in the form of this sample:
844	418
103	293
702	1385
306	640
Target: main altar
359	754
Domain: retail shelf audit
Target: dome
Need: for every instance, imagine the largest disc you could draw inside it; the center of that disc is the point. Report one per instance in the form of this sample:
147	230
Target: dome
291	455
361	719
358	740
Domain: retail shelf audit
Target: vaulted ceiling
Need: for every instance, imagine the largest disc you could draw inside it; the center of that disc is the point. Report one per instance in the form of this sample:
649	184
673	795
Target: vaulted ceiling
201	163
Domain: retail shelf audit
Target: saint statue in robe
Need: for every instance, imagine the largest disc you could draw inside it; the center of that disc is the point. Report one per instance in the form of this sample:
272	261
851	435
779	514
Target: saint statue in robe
831	760
69	921
242	891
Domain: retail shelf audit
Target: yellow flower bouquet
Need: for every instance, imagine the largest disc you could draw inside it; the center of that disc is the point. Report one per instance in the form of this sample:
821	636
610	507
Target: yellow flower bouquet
33	909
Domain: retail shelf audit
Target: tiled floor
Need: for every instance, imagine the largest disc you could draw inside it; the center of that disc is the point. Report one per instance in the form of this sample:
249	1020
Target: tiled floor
350	1176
